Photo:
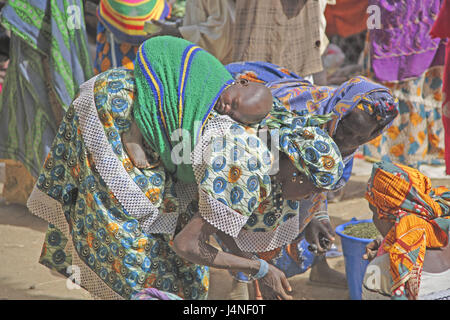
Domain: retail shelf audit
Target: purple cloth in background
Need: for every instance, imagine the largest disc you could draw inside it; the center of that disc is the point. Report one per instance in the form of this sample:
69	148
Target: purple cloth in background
403	48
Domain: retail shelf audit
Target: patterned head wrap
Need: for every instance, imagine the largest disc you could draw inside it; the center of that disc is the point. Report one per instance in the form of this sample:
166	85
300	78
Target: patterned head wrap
421	219
381	105
309	147
358	92
126	18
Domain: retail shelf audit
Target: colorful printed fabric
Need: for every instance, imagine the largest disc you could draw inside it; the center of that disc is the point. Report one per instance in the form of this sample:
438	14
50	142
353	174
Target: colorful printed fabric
49	60
309	148
299	95
154	294
260	71
421	216
401	47
441	29
293	258
237	175
413	70
416	136
179	84
107	239
126	18
112	54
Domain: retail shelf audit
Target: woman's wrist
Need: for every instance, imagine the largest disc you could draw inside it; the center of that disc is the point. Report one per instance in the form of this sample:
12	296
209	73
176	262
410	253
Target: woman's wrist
261	271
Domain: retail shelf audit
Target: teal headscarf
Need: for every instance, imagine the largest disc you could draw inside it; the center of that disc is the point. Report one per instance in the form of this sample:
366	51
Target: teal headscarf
311	150
178	84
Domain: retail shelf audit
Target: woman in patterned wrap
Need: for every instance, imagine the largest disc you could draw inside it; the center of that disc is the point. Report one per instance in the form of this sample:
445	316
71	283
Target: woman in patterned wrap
413	259
362	110
120	30
130	229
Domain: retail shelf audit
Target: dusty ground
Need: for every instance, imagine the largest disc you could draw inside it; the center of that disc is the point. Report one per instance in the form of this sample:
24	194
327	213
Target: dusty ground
22	235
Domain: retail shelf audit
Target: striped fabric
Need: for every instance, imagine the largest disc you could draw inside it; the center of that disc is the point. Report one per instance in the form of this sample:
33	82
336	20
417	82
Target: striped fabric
126	18
49	61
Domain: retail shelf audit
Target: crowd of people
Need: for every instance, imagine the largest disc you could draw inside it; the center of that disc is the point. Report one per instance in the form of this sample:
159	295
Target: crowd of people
237	121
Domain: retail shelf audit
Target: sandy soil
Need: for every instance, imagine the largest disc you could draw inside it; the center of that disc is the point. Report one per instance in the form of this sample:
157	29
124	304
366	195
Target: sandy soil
22	235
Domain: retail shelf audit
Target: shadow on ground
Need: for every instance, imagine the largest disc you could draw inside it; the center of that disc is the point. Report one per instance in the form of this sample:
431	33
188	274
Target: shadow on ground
18	215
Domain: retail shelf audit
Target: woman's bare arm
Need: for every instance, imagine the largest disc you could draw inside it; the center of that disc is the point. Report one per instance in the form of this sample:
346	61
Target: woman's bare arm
191	244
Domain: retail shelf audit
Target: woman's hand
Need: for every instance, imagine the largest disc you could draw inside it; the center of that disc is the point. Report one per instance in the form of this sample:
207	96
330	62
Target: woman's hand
372	249
274	285
315	230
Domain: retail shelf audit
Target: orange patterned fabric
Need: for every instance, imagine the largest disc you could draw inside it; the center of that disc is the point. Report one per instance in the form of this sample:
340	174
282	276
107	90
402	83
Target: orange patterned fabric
405	196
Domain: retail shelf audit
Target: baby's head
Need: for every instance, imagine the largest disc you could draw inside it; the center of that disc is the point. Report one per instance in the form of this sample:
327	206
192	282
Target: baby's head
246	102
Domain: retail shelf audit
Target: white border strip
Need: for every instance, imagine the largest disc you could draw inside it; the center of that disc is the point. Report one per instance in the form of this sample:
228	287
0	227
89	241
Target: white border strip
111	169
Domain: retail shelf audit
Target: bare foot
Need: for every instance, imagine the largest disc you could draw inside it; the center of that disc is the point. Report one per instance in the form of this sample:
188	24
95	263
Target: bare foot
322	274
132	140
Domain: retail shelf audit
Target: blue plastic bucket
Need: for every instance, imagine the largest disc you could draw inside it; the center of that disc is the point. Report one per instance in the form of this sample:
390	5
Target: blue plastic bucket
355	266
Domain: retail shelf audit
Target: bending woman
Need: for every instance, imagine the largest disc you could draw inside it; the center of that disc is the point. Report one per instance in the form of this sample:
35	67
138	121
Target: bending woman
128	229
413	260
362	111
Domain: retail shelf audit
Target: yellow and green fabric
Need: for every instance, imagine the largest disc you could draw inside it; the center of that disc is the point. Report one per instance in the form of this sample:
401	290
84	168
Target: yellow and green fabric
126	18
120	30
179	84
49	60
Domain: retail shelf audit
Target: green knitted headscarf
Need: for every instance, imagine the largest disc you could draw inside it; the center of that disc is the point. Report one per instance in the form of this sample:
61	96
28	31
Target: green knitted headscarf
178	84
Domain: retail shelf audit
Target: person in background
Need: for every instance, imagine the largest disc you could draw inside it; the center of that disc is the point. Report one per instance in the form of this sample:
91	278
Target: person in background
207	23
402	56
120	30
413	260
286	33
250	31
356	123
49	60
441	29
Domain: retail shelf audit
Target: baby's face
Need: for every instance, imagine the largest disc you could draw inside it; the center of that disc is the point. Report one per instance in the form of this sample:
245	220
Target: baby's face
245	102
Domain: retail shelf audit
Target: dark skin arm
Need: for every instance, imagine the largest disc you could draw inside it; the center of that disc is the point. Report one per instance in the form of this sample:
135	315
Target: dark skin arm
191	244
436	259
